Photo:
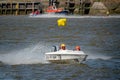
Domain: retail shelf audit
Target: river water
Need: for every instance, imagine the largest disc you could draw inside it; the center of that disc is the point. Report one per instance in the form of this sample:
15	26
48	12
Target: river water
24	40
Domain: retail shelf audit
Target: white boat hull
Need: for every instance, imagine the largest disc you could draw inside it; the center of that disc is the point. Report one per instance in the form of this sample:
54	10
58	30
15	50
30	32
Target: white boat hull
67	56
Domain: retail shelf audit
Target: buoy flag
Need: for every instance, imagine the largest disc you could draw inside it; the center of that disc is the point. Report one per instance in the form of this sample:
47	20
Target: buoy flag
61	22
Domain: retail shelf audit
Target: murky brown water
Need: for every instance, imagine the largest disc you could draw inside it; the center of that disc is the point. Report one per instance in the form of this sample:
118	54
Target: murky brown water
24	40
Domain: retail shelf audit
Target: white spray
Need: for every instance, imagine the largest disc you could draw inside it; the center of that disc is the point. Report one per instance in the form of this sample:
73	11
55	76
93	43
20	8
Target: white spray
30	55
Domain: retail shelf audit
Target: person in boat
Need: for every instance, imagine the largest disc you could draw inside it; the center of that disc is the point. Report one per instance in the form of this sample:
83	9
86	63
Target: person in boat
62	47
77	48
33	13
55	48
51	2
56	3
37	12
54	6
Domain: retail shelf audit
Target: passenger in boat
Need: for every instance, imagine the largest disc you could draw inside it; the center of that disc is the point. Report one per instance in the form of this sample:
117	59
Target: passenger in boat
37	12
55	48
51	2
54	7
77	48
33	13
62	47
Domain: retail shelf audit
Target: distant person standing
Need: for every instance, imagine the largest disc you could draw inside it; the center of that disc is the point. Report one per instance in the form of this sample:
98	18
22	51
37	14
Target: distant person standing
51	2
56	2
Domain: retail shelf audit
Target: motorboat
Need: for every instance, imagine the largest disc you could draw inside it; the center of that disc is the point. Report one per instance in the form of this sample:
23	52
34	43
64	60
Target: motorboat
50	10
65	56
54	10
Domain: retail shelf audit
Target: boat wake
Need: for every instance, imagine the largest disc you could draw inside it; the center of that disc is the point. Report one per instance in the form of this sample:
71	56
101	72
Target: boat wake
36	54
70	16
30	55
96	56
48	16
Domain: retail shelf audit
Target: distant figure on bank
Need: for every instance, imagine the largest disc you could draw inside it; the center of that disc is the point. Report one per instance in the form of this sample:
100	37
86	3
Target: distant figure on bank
51	2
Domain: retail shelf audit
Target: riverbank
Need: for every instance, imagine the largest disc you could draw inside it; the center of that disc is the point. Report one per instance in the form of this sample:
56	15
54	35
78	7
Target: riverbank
89	7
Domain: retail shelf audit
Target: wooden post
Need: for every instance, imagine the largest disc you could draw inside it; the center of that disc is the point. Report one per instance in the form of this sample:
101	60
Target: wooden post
11	7
0	8
32	6
81	7
5	8
17	7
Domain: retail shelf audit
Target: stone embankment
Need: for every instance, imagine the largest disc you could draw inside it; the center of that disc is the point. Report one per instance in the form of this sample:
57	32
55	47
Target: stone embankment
90	7
105	7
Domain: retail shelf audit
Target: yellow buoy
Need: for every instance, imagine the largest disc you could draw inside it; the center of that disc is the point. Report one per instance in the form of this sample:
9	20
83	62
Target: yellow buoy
61	22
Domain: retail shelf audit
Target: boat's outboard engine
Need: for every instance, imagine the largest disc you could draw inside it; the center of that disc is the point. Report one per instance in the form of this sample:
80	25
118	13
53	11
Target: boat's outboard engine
55	48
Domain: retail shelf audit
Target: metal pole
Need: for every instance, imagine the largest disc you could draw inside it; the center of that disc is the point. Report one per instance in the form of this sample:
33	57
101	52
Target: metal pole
81	6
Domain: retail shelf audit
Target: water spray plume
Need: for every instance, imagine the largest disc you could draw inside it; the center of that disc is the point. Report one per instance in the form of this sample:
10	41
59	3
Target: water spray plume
30	55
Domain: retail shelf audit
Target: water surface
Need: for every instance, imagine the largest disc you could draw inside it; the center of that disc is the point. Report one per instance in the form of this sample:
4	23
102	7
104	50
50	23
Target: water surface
24	40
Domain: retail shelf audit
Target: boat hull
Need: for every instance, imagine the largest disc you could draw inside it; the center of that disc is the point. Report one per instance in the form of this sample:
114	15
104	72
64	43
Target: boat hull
62	12
68	61
64	57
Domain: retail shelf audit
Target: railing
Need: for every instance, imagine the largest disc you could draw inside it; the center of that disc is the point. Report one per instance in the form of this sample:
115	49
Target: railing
18	8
